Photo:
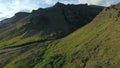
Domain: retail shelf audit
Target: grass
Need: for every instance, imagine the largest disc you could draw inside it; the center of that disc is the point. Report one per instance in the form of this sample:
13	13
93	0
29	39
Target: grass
95	45
75	43
11	41
83	48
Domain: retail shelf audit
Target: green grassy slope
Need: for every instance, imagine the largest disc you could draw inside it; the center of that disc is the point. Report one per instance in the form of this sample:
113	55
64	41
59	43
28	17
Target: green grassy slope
95	45
24	43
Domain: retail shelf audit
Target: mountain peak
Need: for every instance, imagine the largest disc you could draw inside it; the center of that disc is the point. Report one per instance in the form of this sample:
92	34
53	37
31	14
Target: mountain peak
21	13
58	4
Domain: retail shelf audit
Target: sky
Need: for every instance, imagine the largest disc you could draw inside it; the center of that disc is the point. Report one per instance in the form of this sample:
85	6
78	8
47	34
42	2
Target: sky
9	7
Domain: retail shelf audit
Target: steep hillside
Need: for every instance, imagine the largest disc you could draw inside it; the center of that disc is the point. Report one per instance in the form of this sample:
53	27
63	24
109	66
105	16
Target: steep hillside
94	46
38	40
50	23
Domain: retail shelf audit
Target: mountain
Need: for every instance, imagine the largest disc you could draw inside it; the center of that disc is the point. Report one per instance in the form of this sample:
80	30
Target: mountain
59	37
96	45
53	22
18	16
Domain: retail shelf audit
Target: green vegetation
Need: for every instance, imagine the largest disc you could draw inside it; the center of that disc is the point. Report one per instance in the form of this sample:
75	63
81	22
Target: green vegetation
42	41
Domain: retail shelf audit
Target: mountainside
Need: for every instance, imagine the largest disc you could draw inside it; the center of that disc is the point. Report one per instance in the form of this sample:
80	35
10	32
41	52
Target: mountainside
63	36
14	19
50	23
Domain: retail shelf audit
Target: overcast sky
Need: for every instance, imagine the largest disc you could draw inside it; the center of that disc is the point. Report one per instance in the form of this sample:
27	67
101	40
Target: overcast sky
9	7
